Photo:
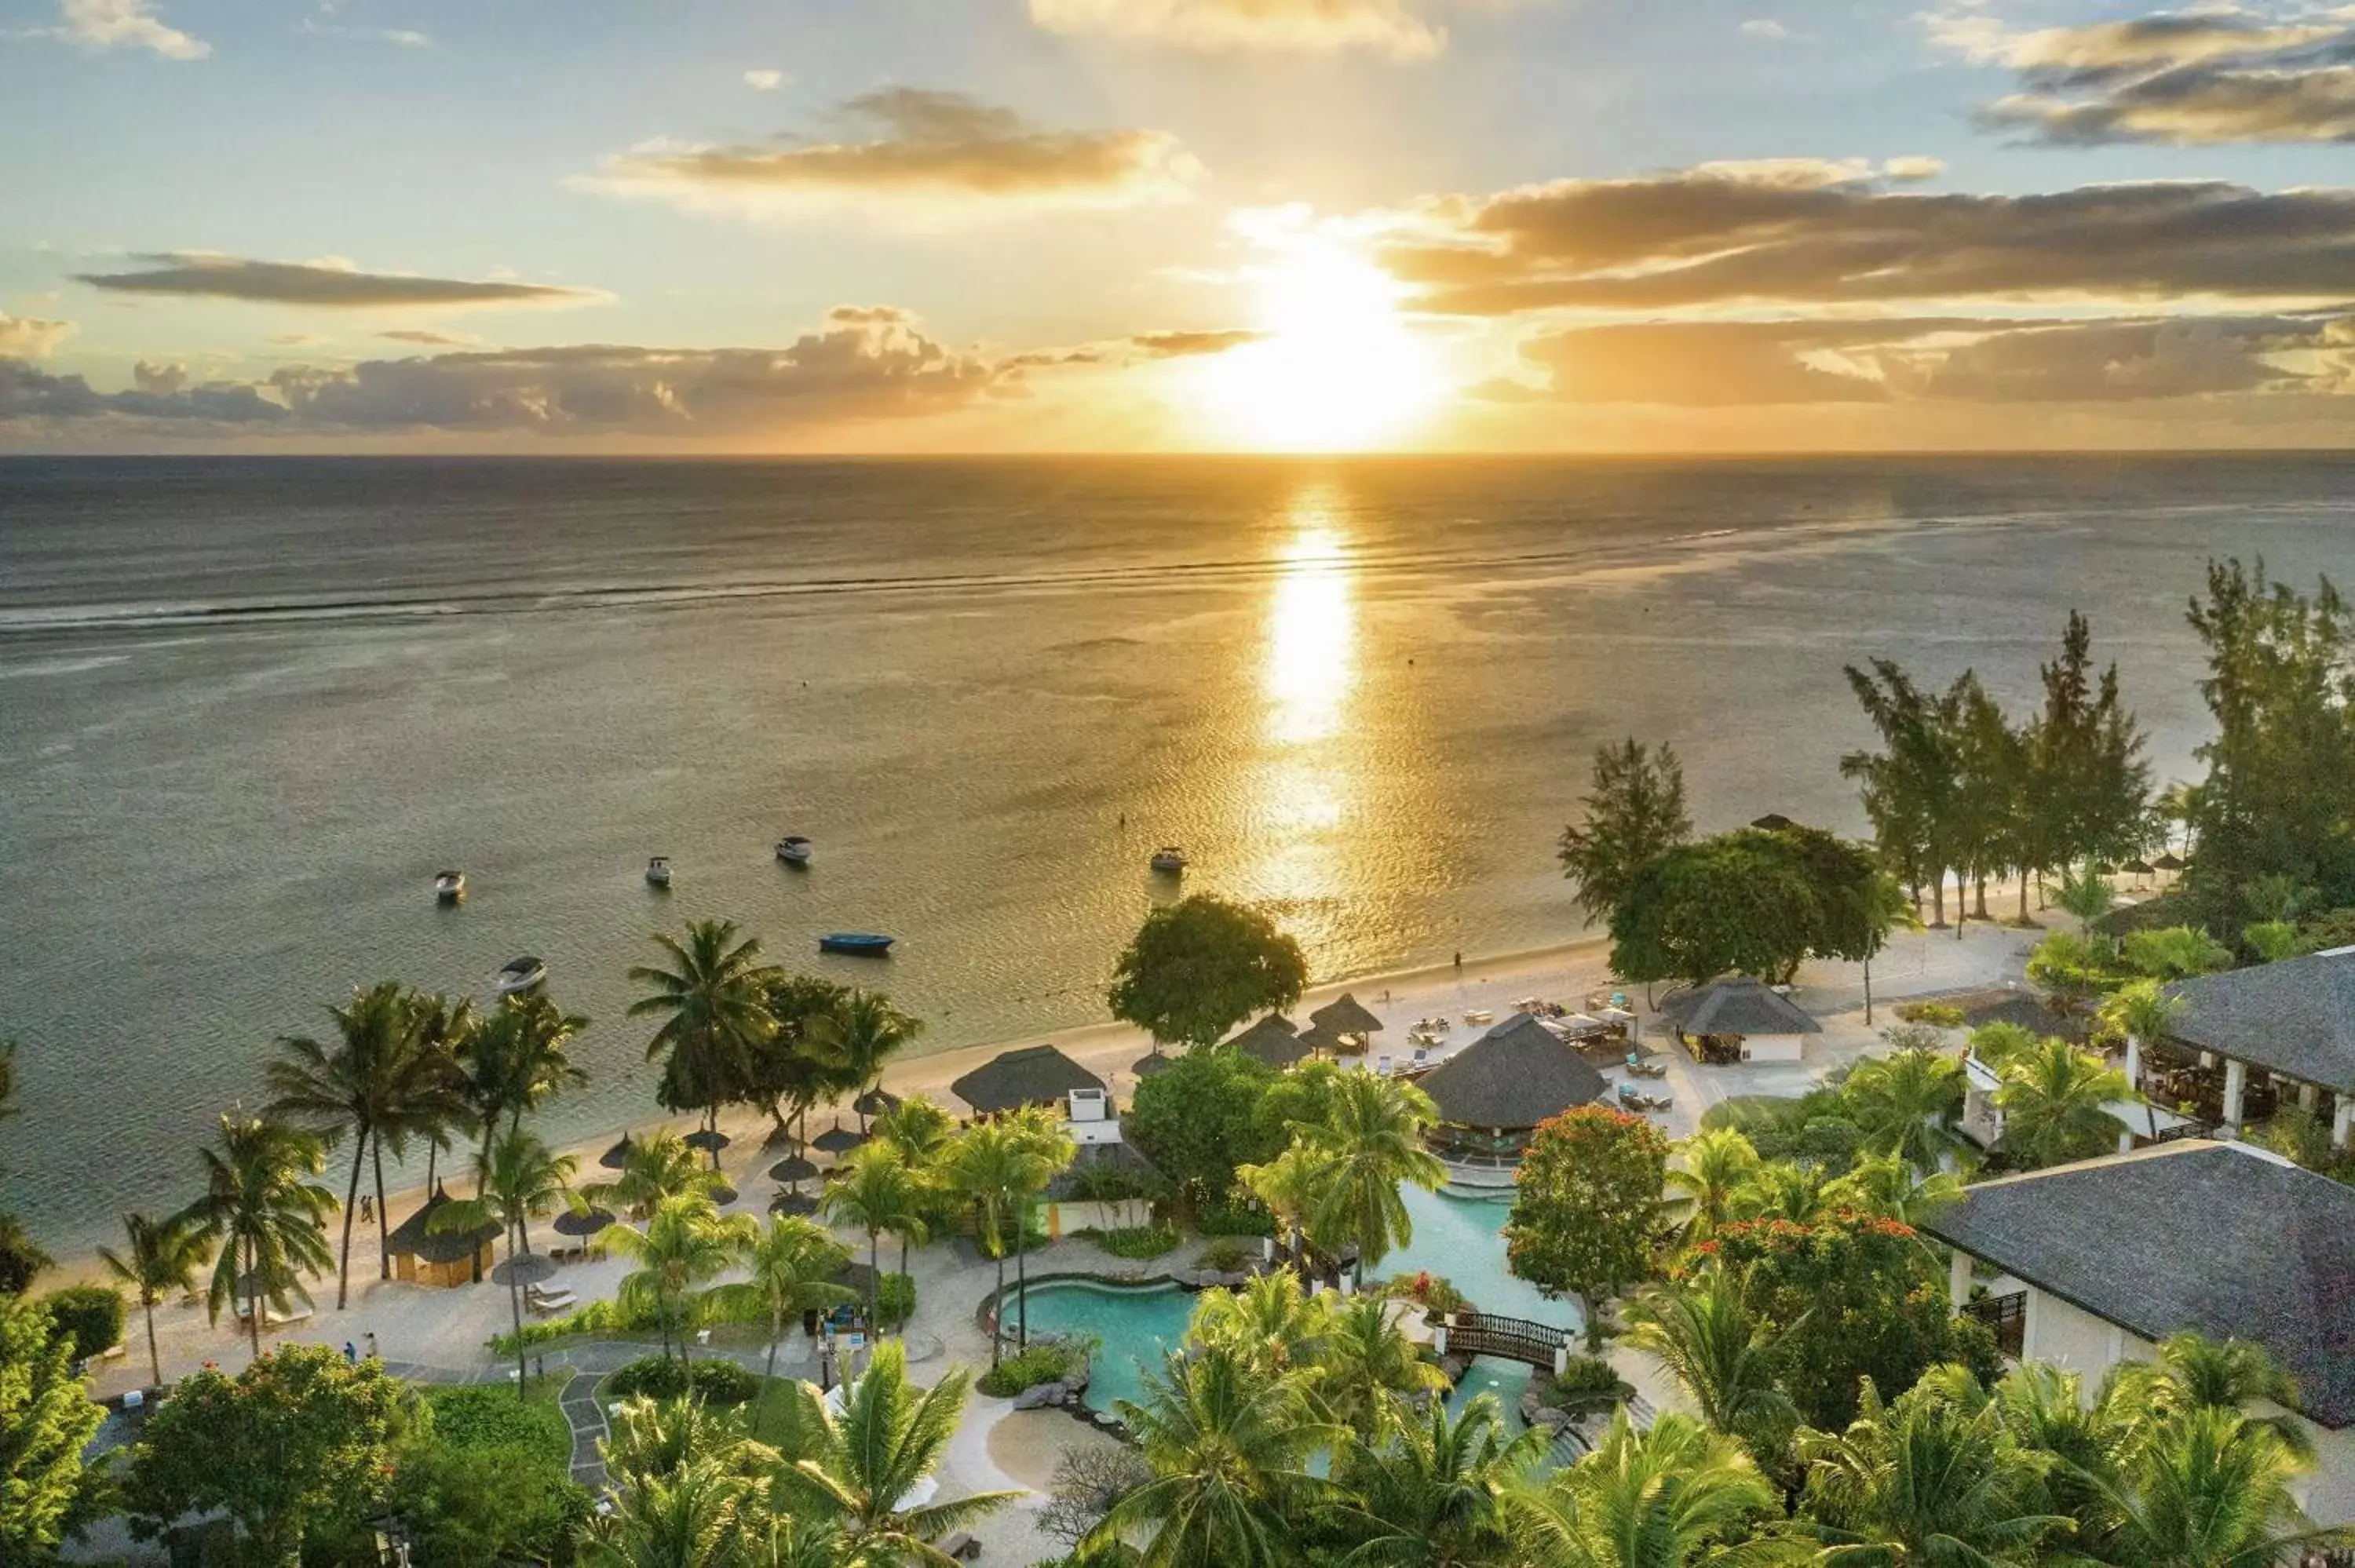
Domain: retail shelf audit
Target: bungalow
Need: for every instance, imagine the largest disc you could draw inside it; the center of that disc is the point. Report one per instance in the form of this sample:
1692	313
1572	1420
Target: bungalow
421	1254
1492	1094
1035	1076
2293	1021
1740	1020
2096	1263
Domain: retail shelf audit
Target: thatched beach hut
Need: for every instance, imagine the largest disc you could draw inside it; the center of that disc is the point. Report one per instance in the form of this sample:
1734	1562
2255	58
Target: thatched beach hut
1272	1041
1740	1020
423	1256
1034	1075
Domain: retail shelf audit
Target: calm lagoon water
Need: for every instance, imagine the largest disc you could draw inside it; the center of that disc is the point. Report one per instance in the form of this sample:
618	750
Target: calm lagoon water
248	707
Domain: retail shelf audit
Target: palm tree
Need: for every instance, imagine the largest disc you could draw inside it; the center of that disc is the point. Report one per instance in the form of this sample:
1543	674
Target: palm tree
1272	1325
868	1031
984	1166
1886	1186
891	1437
157	1259
1366	1143
1661	1498
1228	1447
2087	898
920	1129
518	1056
686	1242
2141	1011
1043	1150
658	1167
268	1219
793	1263
443	1027
2199	1373
1932	1478
1782	1191
2054	1101
1369	1368
372	1084
1283	1184
2206	1489
1706	1336
515	1179
1431	1497
875	1191
713	1003
1716	1162
1906	1102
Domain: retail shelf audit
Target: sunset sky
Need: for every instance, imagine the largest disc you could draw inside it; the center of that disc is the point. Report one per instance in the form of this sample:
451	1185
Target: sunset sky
858	226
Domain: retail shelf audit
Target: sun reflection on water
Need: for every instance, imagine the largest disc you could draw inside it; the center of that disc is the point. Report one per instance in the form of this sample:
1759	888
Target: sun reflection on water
1307	788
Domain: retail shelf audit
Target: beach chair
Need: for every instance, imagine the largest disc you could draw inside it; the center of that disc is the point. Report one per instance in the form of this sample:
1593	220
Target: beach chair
540	1300
958	1544
1382	1067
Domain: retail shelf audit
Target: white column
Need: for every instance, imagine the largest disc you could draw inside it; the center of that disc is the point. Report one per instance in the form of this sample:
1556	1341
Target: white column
2134	1062
1958	1278
2343	1118
2126	1140
2308	1097
2236	1085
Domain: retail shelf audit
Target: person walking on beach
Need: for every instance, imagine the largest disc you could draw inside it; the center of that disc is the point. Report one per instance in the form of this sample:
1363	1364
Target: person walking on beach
367	1211
1459	963
372	1355
351	1354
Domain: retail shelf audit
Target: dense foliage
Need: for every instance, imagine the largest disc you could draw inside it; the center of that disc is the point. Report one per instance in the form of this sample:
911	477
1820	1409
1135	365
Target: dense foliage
1199	1118
1200	965
1755	901
1635	813
45	1422
1587	1206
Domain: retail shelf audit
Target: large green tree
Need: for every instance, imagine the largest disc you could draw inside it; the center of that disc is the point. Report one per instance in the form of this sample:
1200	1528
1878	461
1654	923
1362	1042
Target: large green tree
1912	787
297	1440
1635	813
47	1418
1587	1205
1199	1118
1741	902
1200	965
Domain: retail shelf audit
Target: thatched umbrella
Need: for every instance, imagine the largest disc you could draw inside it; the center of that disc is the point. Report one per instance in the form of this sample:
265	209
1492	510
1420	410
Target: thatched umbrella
2167	861
1152	1061
707	1140
838	1140
582	1221
801	1204
876	1101
1346	1016
1272	1040
797	1168
2140	867
1774	822
615	1158
724	1194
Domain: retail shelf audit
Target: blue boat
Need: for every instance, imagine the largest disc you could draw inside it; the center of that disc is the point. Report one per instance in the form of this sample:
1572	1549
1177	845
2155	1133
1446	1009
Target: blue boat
857	944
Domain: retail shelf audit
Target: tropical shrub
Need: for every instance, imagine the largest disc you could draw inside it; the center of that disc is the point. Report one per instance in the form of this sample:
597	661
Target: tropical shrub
1584	1382
488	1480
1039	1363
596	1318
1432	1291
1224	1256
89	1315
895	1300
1931	1014
1233	1219
1137	1242
662	1377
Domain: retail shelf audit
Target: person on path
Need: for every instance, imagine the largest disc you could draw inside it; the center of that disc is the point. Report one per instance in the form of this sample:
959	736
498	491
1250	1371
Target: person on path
351	1354
372	1355
1459	964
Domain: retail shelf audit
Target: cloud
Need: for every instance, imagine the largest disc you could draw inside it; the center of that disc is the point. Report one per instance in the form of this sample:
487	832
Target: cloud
1765	28
1184	344
335	287
1391	27
1717	364
164	379
29	337
764	81
297	339
121	24
2177	78
914	147
430	339
1793	233
864	365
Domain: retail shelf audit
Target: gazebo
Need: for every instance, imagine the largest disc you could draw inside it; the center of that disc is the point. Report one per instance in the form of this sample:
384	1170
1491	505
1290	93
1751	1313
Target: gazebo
1345	1024
1035	1076
422	1256
1492	1094
1740	1020
1272	1040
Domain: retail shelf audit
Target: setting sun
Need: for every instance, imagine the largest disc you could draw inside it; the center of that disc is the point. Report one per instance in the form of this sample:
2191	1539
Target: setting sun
1338	369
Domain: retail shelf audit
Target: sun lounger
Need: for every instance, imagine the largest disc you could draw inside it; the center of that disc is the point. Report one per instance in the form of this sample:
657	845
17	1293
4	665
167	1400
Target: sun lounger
958	1544
540	1300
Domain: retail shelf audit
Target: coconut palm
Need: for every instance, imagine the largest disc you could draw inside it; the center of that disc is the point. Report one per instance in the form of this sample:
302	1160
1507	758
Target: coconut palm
1930	1479
792	1264
683	1243
1043	1150
1781	1190
1706	1336
713	1004
1228	1445
2199	1373
158	1257
2204	1487
443	1026
516	1179
1272	1325
875	1192
2087	897
1284	1185
1887	1186
267	1217
1369	1368
890	1438
1366	1141
1714	1164
984	1166
919	1129
514	1058
1431	1496
2054	1101
659	1166
2142	1012
1906	1102
868	1031
374	1083
1662	1498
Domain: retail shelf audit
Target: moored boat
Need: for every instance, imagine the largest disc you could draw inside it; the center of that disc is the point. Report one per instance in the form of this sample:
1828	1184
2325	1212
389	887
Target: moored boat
855	944
448	886
517	976
658	872
1169	860
794	850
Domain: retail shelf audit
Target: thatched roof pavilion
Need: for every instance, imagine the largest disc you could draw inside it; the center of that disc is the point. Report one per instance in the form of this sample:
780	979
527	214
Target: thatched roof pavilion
1035	1076
1511	1079
1344	1016
1273	1040
423	1256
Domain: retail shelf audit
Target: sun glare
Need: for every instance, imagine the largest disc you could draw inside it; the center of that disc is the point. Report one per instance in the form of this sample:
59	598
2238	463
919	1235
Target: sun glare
1338	369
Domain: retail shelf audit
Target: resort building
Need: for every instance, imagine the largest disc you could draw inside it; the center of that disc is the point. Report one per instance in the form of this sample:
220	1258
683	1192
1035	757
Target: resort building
2276	1032
1492	1094
1739	1019
2139	1122
2096	1263
423	1256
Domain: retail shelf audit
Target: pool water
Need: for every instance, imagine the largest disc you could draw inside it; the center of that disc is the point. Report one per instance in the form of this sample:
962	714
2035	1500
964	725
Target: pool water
1506	1380
1457	1238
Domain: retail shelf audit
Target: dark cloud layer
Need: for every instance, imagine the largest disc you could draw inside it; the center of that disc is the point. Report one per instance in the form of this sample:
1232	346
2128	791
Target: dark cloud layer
1749	235
2179	78
1715	364
909	143
201	274
860	368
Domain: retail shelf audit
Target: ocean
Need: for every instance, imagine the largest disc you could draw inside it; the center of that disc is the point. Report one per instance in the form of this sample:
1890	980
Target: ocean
248	707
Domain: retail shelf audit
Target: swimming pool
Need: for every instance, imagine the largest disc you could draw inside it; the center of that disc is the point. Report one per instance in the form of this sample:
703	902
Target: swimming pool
1136	1323
1462	1240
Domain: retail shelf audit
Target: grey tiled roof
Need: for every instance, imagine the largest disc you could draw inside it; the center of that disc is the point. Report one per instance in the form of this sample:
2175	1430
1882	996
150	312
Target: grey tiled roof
2296	1017
2210	1237
1516	1076
1738	1006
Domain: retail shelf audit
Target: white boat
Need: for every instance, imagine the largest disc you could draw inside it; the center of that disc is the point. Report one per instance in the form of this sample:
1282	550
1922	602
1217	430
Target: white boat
658	872
448	886
1169	859
520	975
794	850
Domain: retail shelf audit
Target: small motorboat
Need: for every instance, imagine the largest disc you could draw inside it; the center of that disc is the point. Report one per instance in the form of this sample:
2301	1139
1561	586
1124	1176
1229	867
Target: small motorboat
794	850
855	944
517	976
1170	861
658	872
448	886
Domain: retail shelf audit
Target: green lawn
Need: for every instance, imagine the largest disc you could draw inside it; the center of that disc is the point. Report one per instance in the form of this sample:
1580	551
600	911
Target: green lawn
1746	1111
